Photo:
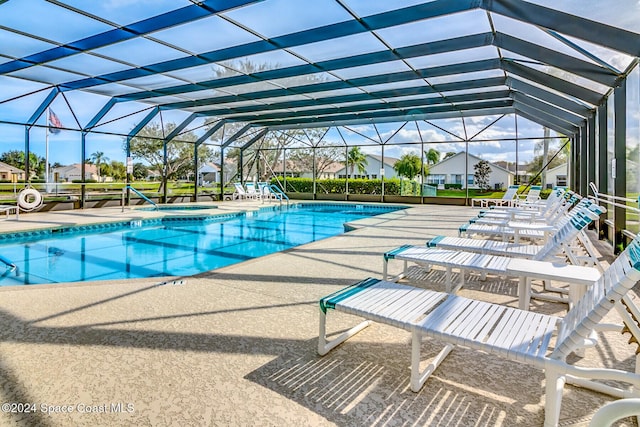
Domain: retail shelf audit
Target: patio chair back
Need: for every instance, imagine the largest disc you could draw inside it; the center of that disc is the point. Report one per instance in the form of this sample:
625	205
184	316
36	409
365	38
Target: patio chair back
240	189
599	299
251	190
511	192
533	195
581	216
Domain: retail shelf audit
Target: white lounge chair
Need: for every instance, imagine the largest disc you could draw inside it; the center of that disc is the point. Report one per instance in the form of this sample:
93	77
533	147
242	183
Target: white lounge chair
549	215
505	332
508	265
516	229
240	192
8	209
508	199
265	192
614	411
523	250
532	196
558	201
252	191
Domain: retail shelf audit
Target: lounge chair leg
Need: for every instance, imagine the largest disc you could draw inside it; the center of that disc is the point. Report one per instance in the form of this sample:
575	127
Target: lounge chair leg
554	387
447	278
385	271
419	378
524	293
325	346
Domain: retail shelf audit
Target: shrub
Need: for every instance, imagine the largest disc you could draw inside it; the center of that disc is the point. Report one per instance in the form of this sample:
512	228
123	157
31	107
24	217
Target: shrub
338	186
453	186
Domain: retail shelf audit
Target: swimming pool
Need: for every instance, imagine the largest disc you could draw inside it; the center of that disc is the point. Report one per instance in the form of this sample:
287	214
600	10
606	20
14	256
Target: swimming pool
169	246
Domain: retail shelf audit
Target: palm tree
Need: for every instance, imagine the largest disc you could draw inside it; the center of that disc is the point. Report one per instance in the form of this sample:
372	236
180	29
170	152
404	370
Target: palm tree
356	158
433	156
408	165
98	158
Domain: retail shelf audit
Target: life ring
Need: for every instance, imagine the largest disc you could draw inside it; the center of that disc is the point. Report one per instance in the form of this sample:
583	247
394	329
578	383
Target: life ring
29	199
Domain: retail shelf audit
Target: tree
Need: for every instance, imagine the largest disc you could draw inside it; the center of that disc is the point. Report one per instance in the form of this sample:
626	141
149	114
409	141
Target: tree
432	156
557	157
449	154
324	157
482	170
98	158
357	159
117	170
148	145
16	158
269	153
263	157
140	171
409	165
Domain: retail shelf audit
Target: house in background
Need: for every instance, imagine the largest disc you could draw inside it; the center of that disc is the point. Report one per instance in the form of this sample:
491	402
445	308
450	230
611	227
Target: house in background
329	171
74	173
291	168
297	170
452	171
373	170
557	177
524	176
7	172
209	173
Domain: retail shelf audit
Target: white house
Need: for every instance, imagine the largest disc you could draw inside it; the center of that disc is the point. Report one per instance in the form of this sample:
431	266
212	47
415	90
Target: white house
74	173
209	173
452	171
373	168
299	170
557	177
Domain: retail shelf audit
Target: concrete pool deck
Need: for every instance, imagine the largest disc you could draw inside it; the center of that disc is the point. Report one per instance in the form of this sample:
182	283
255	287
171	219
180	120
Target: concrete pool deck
237	346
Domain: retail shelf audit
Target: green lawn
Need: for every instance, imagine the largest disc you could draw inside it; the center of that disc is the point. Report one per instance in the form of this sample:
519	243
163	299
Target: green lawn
472	193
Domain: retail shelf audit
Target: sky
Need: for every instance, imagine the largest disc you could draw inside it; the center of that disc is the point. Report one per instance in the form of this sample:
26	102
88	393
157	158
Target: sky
76	108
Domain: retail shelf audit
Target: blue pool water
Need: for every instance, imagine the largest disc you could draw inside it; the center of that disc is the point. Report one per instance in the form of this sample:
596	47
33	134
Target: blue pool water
177	208
172	246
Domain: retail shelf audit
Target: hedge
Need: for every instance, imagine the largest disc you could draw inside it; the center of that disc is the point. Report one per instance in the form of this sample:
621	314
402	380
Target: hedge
338	186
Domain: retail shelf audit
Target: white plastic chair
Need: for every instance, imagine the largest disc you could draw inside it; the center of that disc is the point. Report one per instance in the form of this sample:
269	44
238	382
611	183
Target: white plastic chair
240	192
252	192
501	331
508	199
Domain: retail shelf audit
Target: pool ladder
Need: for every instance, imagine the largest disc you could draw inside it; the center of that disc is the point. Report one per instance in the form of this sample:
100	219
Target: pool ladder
128	187
280	195
10	264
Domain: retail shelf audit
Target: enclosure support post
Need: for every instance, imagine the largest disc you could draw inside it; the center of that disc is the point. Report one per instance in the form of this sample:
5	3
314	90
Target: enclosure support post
382	173
196	174
602	164
27	165
313	172
83	167
221	173
620	154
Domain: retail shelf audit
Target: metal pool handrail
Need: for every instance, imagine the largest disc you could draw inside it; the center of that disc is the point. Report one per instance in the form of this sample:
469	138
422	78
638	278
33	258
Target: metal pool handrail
279	193
616	201
124	192
8	263
612	200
